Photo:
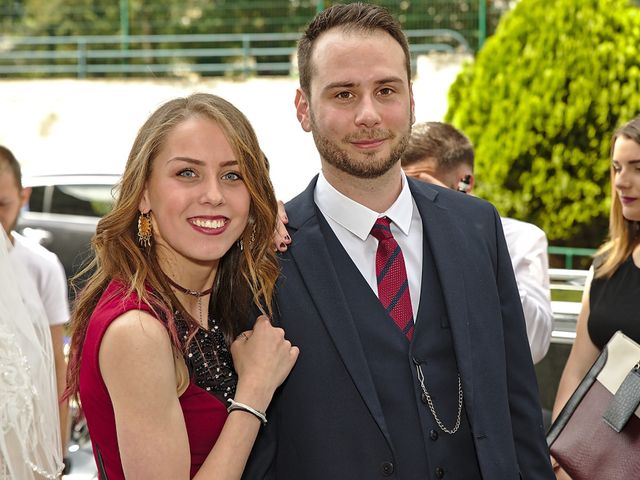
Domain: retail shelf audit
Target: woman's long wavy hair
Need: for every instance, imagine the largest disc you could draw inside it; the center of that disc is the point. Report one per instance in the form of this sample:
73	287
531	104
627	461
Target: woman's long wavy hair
624	234
244	276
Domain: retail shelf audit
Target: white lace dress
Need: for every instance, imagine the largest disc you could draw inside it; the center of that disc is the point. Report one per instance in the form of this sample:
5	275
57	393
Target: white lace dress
29	425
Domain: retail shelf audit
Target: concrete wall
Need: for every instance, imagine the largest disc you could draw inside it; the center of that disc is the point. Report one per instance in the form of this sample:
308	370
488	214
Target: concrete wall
88	126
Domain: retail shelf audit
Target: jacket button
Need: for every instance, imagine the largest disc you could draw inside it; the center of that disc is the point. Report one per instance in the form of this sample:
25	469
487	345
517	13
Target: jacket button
433	435
387	469
439	472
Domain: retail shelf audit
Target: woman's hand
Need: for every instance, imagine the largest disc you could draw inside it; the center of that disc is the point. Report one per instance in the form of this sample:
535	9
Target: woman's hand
263	358
281	238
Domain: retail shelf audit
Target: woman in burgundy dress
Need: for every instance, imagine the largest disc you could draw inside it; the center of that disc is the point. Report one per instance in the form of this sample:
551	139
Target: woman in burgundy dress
172	383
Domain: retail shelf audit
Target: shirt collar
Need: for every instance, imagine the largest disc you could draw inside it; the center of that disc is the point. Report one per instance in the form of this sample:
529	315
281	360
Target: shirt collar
357	218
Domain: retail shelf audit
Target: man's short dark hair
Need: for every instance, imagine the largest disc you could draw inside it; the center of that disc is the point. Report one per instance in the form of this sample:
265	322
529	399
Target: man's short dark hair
361	17
8	162
442	143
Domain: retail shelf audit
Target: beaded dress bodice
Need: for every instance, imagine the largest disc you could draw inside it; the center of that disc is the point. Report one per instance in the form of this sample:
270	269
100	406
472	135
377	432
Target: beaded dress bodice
208	359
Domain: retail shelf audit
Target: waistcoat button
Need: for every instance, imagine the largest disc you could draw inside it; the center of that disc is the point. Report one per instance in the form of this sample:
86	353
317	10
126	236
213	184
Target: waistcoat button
387	468
439	472
433	435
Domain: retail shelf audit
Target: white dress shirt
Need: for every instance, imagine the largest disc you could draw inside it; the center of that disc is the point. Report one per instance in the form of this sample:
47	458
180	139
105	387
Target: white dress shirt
352	222
527	246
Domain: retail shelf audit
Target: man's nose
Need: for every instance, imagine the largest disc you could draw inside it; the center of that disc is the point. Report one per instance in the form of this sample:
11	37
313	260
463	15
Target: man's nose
368	114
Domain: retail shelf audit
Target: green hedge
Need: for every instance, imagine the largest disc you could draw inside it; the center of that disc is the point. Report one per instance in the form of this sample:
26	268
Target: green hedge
540	103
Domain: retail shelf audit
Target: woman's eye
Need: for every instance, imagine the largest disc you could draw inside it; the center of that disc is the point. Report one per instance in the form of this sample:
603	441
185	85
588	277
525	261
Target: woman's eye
616	168
231	176
187	172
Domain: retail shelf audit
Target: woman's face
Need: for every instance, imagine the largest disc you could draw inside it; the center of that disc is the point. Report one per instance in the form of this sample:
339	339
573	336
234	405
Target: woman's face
198	199
626	167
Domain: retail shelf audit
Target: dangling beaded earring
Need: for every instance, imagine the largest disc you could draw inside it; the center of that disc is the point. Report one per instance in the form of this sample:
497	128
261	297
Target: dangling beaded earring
241	245
145	229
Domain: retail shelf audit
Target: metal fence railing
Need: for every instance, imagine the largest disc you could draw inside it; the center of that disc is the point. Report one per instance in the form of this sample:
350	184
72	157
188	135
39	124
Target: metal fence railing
176	55
103	37
571	254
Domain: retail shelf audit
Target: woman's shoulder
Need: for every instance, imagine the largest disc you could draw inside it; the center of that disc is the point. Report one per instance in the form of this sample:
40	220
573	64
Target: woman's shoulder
119	297
138	327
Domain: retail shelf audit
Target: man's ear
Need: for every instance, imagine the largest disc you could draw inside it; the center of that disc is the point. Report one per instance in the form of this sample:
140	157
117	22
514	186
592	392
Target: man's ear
303	111
472	182
25	195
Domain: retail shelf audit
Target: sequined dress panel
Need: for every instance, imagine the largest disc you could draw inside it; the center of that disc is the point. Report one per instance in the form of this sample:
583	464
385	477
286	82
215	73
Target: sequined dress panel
204	410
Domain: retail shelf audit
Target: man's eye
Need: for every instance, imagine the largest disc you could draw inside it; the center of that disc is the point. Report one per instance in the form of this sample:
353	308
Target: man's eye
386	91
344	95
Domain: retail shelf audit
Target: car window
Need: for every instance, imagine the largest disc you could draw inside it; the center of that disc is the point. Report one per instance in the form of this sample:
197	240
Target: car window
89	200
36	200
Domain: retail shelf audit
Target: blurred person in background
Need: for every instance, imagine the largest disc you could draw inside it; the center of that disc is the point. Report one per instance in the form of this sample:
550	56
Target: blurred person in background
439	153
29	425
43	266
171	384
611	297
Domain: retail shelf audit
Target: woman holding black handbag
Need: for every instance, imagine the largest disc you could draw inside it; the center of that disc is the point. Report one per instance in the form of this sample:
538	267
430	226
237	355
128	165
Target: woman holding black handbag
611	299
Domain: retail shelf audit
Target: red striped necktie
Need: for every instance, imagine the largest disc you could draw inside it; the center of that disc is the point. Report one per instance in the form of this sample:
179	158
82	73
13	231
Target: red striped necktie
393	286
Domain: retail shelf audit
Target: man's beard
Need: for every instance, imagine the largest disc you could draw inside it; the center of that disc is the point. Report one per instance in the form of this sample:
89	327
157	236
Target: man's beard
368	167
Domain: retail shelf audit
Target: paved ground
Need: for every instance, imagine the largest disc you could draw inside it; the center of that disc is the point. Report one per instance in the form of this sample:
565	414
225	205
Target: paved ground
83	466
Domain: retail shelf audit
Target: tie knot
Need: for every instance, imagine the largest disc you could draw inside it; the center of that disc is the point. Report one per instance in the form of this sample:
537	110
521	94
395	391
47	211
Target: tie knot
382	229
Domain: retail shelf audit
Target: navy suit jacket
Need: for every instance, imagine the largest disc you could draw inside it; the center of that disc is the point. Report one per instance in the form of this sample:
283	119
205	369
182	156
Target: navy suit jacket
326	421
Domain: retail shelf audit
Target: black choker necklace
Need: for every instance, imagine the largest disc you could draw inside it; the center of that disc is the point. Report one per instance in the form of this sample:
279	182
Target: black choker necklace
193	293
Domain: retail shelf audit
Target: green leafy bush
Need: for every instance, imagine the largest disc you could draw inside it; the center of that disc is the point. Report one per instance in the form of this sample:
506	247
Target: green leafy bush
540	103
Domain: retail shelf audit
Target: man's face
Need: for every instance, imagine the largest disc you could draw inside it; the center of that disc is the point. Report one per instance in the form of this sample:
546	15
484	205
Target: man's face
11	201
361	106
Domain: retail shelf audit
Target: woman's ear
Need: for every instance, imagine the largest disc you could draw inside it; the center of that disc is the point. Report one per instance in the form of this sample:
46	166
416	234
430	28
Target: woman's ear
145	204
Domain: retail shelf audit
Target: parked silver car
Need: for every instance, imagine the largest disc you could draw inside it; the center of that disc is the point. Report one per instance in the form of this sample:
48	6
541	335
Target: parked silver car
63	212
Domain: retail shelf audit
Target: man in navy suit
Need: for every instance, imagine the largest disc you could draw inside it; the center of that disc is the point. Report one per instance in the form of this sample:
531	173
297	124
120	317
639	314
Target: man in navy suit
414	360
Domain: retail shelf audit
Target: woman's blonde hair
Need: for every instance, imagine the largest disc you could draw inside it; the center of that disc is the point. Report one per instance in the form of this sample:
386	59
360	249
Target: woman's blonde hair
623	233
244	275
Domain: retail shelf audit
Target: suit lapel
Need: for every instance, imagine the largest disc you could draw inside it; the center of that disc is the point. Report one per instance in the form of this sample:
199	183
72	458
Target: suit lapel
310	253
444	237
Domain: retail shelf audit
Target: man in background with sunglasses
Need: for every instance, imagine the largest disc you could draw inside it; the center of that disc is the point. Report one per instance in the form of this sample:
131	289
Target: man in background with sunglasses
439	153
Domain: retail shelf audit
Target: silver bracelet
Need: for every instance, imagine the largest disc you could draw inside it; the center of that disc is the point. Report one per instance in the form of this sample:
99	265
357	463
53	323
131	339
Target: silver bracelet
246	408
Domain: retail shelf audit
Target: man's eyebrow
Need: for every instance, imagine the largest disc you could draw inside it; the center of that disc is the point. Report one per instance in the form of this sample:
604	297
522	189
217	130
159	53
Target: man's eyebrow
340	84
349	84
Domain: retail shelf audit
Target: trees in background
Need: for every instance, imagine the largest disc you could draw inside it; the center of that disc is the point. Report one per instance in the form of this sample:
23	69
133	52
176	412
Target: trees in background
540	103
